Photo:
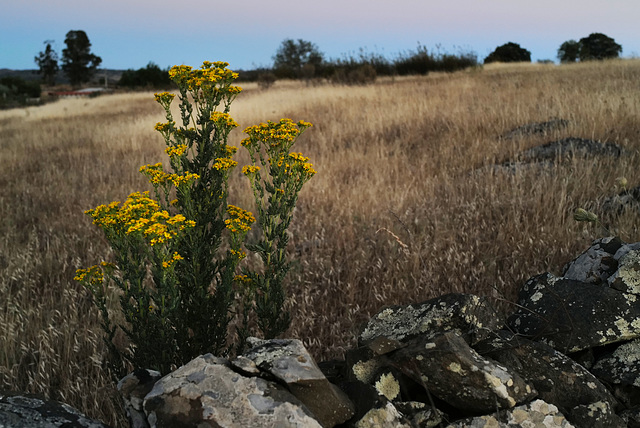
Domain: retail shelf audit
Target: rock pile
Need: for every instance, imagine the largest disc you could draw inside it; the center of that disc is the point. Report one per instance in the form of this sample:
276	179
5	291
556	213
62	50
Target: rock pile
568	356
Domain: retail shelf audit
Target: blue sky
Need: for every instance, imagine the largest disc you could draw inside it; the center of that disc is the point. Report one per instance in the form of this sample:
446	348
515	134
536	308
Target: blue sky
246	33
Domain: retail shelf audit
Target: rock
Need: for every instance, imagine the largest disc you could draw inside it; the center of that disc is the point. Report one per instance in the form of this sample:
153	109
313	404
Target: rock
572	315
535	414
596	415
133	388
622	366
288	361
627	277
383	417
207	392
628	199
557	378
481	385
536	128
419	414
472	317
24	411
596	264
568	148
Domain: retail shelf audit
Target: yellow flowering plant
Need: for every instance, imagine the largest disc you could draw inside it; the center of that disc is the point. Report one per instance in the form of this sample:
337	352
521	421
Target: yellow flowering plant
178	255
276	183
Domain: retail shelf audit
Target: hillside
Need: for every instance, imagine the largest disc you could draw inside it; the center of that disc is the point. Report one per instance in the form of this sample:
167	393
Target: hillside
423	188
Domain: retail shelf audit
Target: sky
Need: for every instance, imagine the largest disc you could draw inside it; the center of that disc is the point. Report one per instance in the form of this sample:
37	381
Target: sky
128	34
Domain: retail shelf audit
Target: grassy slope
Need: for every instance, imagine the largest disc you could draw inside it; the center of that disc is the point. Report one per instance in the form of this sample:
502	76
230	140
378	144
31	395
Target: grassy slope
393	216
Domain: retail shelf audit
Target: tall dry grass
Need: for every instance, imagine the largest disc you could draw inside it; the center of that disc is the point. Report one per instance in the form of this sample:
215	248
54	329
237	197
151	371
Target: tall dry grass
394	215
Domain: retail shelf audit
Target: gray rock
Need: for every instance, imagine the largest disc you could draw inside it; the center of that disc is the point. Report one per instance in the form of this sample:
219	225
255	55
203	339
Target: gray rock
596	415
419	414
536	128
622	367
627	277
571	315
133	388
207	392
470	316
568	148
386	416
458	375
596	264
557	378
22	411
288	361
536	414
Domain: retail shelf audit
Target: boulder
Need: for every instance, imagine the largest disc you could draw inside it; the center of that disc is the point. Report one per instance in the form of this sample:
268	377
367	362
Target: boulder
133	388
481	384
207	392
289	362
627	277
470	316
596	264
620	367
27	411
572	315
557	378
534	414
536	128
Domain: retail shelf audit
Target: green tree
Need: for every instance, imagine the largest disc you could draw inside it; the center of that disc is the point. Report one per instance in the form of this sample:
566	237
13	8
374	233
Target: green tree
569	51
152	76
296	59
509	52
47	62
78	63
598	46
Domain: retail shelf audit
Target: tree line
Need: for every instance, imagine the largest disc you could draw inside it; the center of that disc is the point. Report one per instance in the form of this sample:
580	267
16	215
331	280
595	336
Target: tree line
302	59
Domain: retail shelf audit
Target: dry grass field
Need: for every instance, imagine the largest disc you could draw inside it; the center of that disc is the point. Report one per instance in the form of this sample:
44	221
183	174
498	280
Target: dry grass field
396	213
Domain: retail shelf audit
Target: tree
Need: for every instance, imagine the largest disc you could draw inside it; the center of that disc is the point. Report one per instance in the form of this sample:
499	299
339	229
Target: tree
509	52
47	62
78	63
598	46
152	76
295	59
569	51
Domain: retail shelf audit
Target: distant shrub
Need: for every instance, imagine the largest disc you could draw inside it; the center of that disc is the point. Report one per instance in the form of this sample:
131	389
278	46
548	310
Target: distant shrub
509	52
421	61
152	76
360	75
266	80
15	91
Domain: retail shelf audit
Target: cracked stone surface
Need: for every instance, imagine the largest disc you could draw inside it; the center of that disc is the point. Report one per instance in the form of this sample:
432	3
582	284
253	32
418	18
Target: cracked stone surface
572	315
207	392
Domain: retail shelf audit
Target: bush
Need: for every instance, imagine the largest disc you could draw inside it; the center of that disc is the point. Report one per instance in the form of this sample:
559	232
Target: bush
15	91
509	52
423	62
178	257
149	77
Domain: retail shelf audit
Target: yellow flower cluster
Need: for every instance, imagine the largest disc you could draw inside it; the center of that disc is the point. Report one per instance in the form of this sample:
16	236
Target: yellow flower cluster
230	150
295	165
275	134
238	253
210	76
165	99
157	176
167	263
92	275
140	214
242	279
223	119
164	127
224	164
250	169
240	220
176	151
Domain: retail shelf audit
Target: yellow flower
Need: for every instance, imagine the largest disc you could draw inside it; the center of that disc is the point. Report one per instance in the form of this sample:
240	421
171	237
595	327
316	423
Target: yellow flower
250	169
174	151
223	119
224	164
